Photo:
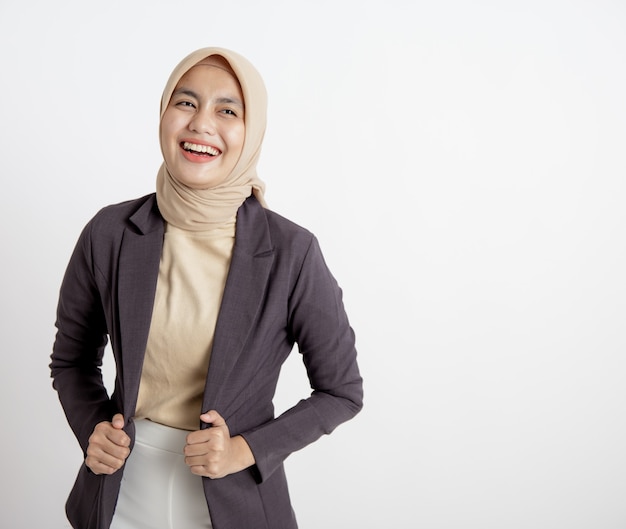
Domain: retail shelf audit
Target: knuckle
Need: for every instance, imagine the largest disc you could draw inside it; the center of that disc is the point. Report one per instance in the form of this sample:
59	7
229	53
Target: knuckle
93	451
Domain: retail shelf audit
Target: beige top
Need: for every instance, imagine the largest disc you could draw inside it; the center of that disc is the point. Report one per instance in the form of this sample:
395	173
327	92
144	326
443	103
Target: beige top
197	249
192	276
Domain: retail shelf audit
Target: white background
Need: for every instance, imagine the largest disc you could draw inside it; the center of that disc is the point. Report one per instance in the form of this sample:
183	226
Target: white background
463	165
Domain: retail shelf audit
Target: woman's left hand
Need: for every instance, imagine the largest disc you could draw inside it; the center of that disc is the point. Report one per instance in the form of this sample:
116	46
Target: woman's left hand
213	453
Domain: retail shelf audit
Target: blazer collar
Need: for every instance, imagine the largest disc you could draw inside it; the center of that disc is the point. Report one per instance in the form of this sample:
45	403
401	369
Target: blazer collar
147	217
253	234
251	264
250	267
139	259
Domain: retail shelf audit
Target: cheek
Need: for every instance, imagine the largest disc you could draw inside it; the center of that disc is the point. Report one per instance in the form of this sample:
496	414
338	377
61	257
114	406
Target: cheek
167	139
168	127
236	137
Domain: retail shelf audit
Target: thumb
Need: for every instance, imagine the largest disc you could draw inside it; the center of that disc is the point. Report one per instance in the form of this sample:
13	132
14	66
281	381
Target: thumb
118	421
213	418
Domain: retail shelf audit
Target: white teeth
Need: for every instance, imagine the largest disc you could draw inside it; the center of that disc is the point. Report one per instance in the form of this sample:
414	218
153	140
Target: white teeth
188	146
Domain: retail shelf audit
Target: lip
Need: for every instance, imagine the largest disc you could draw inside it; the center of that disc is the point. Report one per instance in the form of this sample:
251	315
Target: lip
197	157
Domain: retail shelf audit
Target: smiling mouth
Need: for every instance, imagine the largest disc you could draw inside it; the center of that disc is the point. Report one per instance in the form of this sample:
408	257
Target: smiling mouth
194	148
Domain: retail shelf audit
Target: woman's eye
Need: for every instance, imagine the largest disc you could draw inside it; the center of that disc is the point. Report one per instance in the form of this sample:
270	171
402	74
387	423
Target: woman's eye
188	104
228	111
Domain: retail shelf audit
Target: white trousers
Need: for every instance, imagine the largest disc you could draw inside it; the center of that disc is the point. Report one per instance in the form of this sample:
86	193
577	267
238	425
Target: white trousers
158	489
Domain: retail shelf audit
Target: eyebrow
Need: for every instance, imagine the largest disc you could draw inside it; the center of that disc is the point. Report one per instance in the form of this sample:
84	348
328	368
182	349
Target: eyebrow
219	100
229	101
185	91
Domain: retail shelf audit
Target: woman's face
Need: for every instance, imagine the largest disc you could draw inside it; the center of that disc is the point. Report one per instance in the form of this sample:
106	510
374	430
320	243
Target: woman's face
202	128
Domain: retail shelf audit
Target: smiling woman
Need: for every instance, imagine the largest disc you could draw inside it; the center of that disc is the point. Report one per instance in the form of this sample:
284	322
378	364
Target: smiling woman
202	128
203	293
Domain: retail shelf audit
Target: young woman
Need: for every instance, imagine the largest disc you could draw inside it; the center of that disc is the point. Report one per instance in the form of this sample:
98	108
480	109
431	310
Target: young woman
202	292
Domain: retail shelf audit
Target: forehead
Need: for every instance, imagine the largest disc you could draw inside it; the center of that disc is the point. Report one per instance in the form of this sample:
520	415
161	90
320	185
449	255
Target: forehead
212	72
217	61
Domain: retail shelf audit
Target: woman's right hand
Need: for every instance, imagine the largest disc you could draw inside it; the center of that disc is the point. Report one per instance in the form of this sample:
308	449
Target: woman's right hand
108	446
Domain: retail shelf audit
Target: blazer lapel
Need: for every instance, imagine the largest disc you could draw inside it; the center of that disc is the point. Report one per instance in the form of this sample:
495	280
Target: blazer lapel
140	254
249	271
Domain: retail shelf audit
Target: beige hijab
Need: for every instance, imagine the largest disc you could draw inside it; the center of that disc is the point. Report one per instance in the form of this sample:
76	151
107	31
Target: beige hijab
205	209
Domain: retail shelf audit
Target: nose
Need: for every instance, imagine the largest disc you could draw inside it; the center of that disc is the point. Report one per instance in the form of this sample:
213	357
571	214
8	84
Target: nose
202	122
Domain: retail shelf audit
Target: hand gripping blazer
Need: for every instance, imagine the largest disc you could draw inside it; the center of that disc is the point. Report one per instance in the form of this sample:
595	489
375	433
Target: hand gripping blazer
279	292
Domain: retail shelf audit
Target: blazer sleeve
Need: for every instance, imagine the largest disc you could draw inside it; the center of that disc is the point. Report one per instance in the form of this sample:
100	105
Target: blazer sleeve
320	327
79	344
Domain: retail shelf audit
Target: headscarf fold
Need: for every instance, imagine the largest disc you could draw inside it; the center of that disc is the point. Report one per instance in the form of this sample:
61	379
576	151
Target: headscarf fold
205	209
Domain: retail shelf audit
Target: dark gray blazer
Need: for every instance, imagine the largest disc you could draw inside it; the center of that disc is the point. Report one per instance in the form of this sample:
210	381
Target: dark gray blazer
279	292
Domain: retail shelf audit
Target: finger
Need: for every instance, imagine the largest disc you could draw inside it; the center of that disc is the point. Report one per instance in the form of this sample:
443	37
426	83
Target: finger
116	434
213	418
199	436
105	432
102	462
118	421
97	467
197	461
208	439
209	471
196	449
107	450
201	470
117	437
116	451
